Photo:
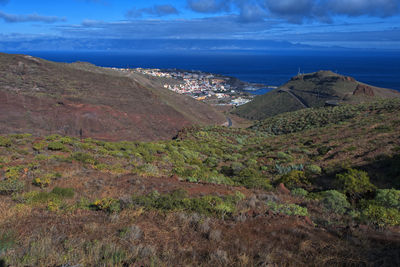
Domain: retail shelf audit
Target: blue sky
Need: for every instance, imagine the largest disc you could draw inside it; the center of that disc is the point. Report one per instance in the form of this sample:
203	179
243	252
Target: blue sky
124	25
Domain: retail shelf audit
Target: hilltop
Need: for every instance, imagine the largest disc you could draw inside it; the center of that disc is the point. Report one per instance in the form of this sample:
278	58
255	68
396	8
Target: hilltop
43	97
318	89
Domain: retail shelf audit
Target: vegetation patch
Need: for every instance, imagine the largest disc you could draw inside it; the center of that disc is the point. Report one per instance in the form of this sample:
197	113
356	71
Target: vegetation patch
179	201
354	183
287	209
335	201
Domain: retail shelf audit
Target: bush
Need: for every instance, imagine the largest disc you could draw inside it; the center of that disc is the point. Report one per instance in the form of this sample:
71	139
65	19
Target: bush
56	146
5	142
14	172
335	201
42	182
10	186
7	241
46	179
354	183
109	205
38	146
294	179
380	215
211	162
83	157
63	192
389	198
299	192
287	209
52	199
287	169
323	150
313	169
179	200
149	169
283	156
251	178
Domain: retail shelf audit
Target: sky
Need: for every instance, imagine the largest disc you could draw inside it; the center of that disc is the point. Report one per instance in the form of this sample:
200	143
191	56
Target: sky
192	25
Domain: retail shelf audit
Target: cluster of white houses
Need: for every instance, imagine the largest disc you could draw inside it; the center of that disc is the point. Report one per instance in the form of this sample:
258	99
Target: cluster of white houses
198	85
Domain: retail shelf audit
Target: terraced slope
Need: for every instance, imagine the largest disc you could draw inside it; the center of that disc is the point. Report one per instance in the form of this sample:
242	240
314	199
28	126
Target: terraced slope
42	97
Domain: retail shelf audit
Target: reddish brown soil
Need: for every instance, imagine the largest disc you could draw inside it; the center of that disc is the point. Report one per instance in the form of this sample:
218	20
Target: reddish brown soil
363	89
42	97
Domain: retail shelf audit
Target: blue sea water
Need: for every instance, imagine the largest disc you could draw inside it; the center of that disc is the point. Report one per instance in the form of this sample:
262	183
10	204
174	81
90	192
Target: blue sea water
380	69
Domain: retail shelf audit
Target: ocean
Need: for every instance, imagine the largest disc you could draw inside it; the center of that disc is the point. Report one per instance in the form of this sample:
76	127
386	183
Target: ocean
380	69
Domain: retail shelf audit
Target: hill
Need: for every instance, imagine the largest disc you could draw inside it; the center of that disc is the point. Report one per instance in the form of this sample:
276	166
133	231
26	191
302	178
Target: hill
322	88
323	195
43	97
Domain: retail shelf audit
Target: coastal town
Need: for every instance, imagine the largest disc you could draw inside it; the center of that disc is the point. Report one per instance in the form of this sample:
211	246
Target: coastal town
212	88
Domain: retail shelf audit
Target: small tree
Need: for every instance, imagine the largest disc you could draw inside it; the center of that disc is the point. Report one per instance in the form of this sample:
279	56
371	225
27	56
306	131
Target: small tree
354	183
335	201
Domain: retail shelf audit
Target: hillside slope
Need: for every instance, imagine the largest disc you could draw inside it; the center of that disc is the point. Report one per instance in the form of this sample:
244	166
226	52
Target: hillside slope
43	97
325	195
312	90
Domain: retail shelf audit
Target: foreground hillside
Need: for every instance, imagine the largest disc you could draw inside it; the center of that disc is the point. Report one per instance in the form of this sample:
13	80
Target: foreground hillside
312	90
43	97
322	195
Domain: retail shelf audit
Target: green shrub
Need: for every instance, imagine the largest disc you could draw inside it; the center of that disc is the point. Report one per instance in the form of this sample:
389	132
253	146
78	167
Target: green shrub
45	180
335	201
323	150
14	172
179	200
10	186
313	169
149	169
380	215
37	197
109	205
42	182
211	162
287	169
67	140
63	192
251	163
284	156
53	137
299	192
252	178
7	241
38	146
287	209
389	198
83	157
5	142
56	146
354	183
294	179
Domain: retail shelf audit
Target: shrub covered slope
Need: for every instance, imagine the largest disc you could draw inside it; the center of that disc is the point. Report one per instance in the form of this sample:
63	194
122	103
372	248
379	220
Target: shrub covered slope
318	193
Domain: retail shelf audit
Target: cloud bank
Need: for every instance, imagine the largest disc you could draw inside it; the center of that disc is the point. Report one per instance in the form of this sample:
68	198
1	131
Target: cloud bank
11	18
156	10
297	11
